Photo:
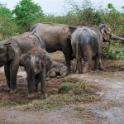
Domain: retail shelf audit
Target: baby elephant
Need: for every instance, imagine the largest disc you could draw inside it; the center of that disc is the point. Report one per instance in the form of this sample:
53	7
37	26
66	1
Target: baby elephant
36	63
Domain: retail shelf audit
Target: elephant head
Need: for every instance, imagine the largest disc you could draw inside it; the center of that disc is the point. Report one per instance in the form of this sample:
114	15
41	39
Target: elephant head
6	52
105	31
36	60
32	62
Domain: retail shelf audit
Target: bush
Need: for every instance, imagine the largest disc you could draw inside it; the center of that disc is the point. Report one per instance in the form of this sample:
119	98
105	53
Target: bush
27	13
114	51
8	26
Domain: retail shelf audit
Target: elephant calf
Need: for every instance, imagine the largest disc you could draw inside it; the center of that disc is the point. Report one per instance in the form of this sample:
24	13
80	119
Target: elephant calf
37	63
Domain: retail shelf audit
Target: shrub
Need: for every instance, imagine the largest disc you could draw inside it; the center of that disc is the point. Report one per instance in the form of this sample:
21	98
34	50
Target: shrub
27	13
114	51
8	26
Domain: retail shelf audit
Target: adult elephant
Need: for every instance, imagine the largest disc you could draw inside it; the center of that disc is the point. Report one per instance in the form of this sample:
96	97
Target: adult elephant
10	53
87	44
55	37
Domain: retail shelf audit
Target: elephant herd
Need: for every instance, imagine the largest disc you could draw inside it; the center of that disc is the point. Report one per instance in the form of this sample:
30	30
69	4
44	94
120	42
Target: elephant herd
30	50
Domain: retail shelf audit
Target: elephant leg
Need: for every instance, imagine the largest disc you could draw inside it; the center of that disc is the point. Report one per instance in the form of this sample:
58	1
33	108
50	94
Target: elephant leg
67	50
79	64
13	74
43	87
87	57
36	86
85	65
13	78
30	81
36	82
68	60
7	74
100	58
98	63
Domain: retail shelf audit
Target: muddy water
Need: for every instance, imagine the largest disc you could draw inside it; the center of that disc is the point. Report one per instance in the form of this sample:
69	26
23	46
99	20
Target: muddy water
110	110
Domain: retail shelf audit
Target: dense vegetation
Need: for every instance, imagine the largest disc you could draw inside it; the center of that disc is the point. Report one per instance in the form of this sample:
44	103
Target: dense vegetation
27	13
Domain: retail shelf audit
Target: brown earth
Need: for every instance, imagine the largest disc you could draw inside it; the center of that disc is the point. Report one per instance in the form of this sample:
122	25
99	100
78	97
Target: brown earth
110	110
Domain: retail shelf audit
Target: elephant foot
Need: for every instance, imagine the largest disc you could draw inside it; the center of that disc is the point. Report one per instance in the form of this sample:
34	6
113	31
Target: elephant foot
13	91
36	89
31	96
101	68
84	71
85	68
43	96
7	89
68	71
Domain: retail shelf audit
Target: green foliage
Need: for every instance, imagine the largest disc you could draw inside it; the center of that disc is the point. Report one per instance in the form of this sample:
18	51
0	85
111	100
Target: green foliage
65	87
26	13
7	24
86	13
114	51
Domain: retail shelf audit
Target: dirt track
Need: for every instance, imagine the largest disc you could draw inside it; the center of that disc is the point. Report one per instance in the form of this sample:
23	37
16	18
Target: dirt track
109	110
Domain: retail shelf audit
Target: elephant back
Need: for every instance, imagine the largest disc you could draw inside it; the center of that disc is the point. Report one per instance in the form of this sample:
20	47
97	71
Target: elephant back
25	41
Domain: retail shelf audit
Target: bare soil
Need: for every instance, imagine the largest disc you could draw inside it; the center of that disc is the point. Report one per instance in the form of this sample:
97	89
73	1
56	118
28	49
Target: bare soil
109	110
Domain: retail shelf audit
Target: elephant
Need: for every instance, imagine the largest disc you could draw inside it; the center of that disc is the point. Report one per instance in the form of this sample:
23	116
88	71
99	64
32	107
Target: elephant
10	53
58	70
36	63
56	37
87	44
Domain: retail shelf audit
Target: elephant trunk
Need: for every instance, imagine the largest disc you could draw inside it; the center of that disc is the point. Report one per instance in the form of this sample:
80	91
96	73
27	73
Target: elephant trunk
115	37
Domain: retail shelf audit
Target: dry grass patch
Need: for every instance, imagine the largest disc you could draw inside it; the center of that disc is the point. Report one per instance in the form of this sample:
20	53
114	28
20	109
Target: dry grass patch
68	93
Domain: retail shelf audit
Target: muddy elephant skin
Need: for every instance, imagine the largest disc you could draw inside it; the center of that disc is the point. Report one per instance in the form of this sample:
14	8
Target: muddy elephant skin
56	37
10	52
87	44
37	63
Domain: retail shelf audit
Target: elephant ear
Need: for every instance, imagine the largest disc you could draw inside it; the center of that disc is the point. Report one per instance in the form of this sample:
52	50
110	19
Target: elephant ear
25	60
10	51
105	31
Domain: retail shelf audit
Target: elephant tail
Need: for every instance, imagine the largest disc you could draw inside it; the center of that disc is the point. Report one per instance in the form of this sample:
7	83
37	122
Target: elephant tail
78	51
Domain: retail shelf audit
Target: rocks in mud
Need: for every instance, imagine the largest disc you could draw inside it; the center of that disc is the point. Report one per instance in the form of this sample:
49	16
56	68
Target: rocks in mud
58	70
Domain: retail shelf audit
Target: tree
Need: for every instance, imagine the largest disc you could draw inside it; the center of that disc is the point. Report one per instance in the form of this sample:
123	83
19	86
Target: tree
86	13
26	13
7	24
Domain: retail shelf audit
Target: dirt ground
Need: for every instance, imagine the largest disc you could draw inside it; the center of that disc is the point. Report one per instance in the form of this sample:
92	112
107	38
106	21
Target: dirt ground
109	110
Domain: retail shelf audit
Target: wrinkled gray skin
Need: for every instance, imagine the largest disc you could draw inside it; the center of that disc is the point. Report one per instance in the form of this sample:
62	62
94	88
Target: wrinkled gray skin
58	70
10	52
56	37
37	63
87	44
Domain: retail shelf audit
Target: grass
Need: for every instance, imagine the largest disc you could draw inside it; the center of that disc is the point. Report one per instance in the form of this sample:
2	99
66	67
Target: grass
68	93
54	101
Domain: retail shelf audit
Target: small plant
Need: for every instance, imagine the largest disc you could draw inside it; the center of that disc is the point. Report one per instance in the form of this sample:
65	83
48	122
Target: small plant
65	87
